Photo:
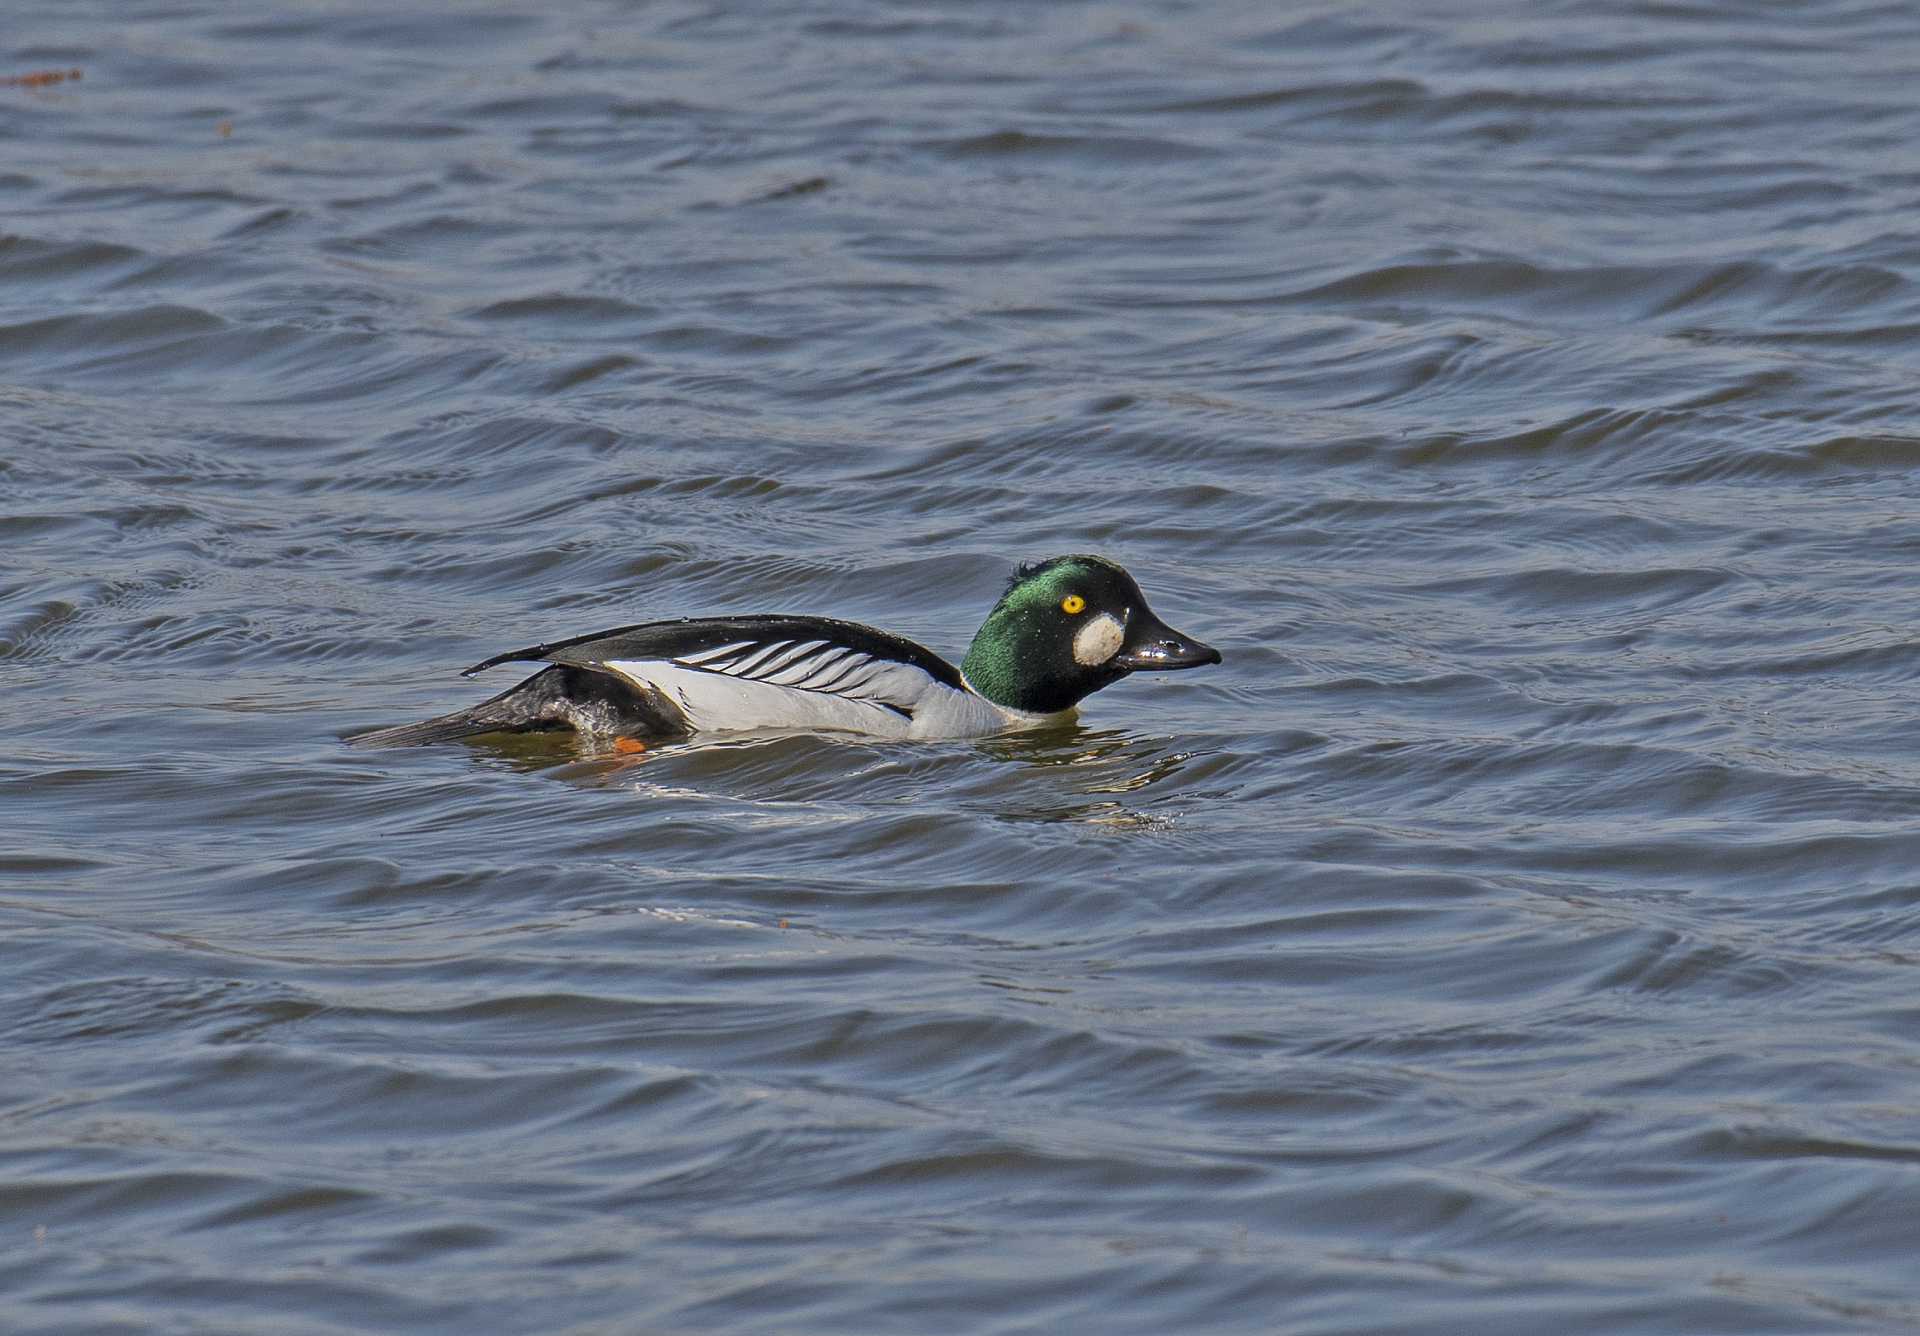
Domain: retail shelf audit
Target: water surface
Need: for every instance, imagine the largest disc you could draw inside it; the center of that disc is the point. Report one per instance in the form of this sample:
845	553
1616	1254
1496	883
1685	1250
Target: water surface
1516	933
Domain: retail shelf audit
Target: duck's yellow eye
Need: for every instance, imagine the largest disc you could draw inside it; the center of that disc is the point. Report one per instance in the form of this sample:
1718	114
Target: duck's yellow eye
1072	603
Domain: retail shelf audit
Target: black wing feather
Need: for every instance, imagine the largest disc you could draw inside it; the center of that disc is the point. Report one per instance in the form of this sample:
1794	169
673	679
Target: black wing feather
558	697
757	635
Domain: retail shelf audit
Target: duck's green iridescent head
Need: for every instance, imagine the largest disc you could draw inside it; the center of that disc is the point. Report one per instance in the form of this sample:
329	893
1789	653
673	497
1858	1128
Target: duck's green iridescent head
1064	629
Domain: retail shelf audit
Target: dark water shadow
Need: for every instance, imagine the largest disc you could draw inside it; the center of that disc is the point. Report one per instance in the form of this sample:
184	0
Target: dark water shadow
1062	773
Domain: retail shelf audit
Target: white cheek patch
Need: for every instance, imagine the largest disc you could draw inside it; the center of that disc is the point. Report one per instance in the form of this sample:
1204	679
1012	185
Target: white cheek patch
1097	641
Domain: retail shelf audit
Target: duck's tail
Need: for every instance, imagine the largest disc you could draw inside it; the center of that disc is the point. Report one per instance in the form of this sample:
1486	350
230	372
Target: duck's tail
556	698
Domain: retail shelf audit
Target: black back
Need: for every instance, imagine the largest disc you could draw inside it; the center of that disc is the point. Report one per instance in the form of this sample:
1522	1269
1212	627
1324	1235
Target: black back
687	636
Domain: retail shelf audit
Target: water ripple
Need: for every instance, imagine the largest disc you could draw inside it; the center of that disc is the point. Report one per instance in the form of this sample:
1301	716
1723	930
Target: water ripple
1515	931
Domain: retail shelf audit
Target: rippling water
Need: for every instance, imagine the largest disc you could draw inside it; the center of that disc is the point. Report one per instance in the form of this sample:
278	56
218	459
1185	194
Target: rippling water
1516	934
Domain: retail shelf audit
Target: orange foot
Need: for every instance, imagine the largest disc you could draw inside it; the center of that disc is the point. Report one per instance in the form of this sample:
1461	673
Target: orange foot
627	746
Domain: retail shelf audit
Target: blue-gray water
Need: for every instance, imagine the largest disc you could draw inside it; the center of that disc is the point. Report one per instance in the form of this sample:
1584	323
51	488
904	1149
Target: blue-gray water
1519	933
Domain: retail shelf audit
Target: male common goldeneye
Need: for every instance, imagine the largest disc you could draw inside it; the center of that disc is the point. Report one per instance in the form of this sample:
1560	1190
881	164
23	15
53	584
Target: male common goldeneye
1064	629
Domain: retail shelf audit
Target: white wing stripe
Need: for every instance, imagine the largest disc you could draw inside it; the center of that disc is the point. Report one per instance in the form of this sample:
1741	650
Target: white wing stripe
793	674
744	667
703	655
830	674
819	667
831	655
851	686
797	657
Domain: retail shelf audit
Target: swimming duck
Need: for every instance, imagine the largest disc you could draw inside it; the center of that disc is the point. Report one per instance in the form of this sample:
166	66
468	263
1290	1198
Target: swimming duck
1063	629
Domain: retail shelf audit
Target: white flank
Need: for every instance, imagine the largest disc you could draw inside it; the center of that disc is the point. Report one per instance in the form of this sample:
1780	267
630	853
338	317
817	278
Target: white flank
856	701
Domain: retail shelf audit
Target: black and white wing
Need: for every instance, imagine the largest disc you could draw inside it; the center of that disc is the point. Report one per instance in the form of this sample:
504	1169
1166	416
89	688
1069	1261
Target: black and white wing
817	665
767	671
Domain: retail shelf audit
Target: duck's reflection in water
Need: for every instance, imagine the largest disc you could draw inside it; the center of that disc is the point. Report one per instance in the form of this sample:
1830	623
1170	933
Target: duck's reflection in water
1066	773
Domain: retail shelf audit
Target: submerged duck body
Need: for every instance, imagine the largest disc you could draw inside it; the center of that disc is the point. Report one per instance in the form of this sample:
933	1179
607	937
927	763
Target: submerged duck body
1064	629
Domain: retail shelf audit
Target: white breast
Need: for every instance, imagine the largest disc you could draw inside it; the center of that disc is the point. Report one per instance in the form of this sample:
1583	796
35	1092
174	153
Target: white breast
946	713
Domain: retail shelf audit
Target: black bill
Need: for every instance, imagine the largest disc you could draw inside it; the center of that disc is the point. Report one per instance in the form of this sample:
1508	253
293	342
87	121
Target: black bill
1152	644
